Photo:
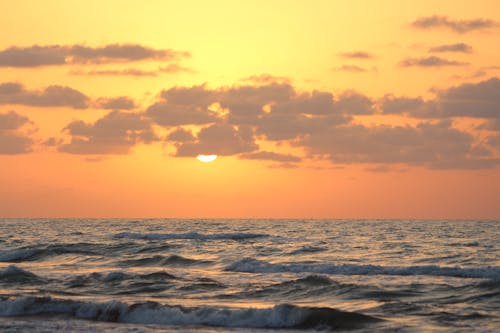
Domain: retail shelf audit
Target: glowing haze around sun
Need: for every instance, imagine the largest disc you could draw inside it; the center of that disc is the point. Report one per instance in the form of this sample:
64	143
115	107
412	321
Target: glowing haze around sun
206	158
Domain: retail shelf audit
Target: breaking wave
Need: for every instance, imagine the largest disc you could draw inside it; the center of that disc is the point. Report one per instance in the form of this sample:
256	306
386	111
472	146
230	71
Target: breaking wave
280	316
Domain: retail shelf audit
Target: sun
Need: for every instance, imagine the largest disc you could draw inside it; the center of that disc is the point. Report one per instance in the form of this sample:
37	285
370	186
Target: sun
206	158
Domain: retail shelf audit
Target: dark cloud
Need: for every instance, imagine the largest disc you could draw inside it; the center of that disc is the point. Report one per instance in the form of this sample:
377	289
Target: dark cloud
432	61
12	121
15	93
429	145
117	103
459	47
477	100
350	68
352	102
115	133
412	106
35	56
357	55
183	106
494	141
490	125
12	138
219	139
181	135
270	156
458	26
471	100
229	120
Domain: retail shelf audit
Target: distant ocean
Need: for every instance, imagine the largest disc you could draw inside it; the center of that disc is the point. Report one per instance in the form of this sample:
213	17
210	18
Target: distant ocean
165	275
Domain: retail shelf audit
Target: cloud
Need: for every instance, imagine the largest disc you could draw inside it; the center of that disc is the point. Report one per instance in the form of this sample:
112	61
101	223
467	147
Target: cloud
13	140
432	61
476	100
270	156
432	145
219	139
471	100
266	79
183	106
459	47
181	135
35	56
137	72
350	68
458	26
490	125
116	103
357	55
411	106
15	93
229	121
116	72
352	102
115	133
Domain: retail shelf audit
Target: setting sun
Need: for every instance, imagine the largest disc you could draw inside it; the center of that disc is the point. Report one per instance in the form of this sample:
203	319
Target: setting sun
206	158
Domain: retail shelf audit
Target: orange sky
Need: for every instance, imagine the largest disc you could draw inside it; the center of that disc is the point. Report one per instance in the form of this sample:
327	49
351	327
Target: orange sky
316	109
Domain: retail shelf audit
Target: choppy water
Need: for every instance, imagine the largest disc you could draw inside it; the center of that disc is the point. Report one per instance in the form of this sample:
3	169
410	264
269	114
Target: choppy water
121	275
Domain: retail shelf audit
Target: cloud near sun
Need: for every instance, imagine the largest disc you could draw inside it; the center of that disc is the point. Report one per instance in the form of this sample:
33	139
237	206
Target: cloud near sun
239	120
260	112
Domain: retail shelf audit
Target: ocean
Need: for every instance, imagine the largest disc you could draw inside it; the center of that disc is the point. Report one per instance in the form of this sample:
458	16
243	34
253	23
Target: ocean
253	275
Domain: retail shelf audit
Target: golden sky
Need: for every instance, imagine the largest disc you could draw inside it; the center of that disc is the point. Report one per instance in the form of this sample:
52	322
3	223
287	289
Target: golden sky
316	109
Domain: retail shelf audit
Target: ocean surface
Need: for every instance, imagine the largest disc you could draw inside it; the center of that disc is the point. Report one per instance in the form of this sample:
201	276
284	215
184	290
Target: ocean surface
165	275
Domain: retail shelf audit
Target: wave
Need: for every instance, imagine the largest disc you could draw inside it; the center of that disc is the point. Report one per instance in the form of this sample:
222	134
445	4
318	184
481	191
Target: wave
40	252
189	235
250	265
173	260
308	249
279	316
14	274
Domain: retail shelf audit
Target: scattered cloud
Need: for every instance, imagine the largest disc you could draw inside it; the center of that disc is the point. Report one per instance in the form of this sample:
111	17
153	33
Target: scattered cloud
137	72
16	93
116	103
350	68
183	106
181	135
490	125
476	100
471	100
459	47
458	26
432	61
270	156
36	55
432	145
13	140
219	139
229	121
266	79
116	72
115	133
357	55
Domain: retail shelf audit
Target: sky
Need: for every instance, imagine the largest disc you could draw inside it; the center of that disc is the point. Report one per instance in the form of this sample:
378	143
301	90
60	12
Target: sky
315	109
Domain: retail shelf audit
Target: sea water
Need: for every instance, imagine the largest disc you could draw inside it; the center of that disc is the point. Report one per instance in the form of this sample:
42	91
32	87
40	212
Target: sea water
198	275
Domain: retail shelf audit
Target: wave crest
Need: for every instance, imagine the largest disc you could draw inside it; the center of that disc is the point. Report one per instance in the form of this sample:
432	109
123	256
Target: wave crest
280	316
250	265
